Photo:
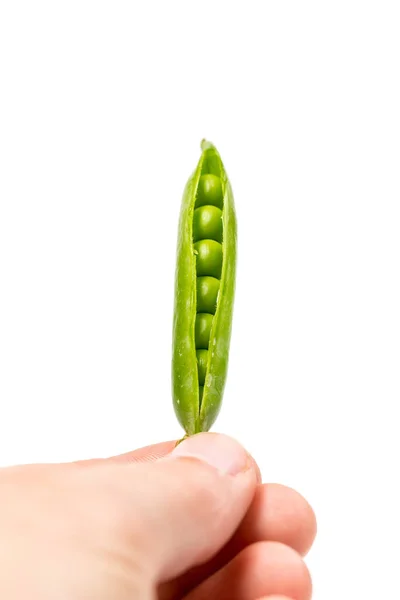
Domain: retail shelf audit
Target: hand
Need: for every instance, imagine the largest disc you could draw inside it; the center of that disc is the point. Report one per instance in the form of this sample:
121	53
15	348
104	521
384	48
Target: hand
192	522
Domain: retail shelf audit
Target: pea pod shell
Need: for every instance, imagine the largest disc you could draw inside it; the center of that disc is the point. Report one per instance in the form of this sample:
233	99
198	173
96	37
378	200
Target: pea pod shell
185	384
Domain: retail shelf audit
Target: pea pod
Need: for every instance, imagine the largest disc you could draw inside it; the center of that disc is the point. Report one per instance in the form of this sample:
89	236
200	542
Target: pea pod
204	293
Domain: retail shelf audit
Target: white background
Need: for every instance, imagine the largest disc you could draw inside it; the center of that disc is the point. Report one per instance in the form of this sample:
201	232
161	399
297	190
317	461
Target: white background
102	109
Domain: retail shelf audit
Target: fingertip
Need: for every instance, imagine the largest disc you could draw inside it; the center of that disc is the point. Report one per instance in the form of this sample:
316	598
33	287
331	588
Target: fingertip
281	514
220	451
279	559
256	469
261	570
302	517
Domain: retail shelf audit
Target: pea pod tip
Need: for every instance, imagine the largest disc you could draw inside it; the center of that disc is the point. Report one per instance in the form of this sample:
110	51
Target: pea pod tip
206	145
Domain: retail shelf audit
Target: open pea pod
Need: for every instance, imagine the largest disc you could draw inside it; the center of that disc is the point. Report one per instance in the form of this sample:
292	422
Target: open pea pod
204	293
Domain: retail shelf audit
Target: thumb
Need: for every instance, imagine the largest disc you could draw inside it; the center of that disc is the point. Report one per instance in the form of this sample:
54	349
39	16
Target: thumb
190	503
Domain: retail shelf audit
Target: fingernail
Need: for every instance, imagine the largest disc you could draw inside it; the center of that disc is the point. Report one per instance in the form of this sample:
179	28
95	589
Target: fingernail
220	451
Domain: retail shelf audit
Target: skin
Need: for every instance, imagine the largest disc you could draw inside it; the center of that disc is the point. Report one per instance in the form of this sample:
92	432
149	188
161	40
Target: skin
161	523
204	293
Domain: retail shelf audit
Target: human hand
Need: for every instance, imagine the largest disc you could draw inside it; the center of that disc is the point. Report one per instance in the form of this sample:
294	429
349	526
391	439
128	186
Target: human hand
162	523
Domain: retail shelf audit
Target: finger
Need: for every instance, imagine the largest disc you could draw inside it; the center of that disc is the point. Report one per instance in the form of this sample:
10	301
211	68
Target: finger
277	514
280	514
263	569
146	454
156	451
187	505
275	597
141	455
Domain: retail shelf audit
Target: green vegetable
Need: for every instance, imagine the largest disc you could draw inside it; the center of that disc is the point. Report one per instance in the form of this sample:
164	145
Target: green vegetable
204	293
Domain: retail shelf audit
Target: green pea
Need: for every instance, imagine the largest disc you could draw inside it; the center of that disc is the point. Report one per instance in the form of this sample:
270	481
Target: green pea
209	258
207	223
203	329
204	293
207	294
202	358
209	191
